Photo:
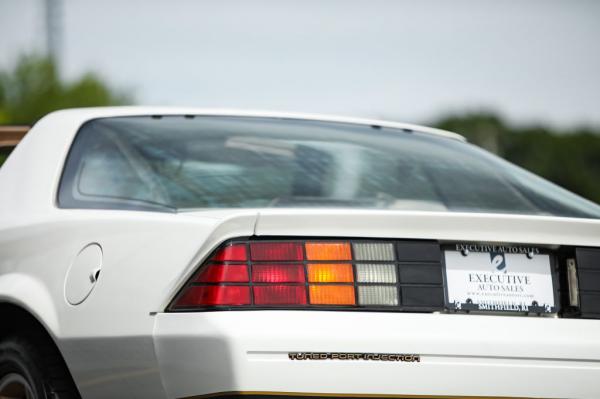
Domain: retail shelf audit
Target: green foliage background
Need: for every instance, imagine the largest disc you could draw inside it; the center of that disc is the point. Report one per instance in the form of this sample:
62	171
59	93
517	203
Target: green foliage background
570	158
34	88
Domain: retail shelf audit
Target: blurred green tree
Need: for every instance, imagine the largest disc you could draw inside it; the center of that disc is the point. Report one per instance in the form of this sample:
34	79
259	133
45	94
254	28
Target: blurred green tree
3	156
34	88
569	158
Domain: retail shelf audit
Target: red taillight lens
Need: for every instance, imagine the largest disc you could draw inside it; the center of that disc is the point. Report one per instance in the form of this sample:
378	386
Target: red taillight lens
219	273
295	273
282	251
215	295
277	273
232	253
280	295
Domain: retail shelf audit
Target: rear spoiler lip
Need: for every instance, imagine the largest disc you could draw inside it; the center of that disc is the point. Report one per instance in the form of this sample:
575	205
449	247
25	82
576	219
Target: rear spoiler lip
11	135
426	225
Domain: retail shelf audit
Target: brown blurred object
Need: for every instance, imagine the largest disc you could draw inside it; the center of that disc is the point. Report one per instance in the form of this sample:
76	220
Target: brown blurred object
11	135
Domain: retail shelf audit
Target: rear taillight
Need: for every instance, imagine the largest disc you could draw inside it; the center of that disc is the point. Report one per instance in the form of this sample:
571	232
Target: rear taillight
308	274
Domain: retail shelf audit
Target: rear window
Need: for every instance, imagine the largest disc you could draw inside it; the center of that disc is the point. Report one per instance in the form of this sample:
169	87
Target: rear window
178	163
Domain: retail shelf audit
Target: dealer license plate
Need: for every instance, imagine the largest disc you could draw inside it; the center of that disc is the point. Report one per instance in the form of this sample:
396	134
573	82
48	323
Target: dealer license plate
499	281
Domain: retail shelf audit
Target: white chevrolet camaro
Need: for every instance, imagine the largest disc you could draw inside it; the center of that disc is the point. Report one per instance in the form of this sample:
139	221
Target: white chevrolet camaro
186	253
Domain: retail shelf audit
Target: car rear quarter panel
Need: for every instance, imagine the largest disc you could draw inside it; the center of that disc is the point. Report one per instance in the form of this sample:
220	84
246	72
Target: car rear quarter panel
107	340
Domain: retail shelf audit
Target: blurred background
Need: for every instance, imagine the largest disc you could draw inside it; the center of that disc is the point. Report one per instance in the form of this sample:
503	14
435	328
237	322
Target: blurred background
521	79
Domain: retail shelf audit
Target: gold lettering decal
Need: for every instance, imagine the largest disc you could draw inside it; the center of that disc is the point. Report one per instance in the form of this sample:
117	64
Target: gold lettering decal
384	357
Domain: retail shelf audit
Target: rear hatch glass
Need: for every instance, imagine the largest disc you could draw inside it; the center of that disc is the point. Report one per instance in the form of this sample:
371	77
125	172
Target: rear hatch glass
178	163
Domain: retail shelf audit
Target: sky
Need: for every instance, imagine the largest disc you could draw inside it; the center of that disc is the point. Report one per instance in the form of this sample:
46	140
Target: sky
535	61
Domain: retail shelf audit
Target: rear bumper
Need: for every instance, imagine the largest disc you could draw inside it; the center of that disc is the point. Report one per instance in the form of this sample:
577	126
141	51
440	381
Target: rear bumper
246	353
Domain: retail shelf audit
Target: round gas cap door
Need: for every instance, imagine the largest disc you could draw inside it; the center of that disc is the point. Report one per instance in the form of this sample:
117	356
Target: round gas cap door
83	274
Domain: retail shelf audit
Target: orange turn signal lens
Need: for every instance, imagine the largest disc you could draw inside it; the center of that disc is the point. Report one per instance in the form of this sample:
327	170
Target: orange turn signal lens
330	273
331	294
328	251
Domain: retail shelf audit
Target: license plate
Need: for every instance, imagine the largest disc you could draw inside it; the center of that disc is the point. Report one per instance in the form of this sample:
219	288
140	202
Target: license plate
499	281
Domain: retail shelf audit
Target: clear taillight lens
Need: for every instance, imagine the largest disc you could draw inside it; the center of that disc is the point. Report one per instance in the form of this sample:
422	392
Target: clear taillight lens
293	273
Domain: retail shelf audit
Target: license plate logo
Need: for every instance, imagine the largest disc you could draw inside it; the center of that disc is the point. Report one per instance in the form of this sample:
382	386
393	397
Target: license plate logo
499	281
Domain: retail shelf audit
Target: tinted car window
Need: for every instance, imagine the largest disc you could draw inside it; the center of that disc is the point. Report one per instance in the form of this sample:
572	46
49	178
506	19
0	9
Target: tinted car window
186	163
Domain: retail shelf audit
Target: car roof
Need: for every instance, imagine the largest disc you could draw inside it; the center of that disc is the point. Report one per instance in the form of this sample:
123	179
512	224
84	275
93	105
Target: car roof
105	112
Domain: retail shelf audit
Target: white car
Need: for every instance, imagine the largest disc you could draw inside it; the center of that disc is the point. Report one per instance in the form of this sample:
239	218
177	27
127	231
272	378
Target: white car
186	253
